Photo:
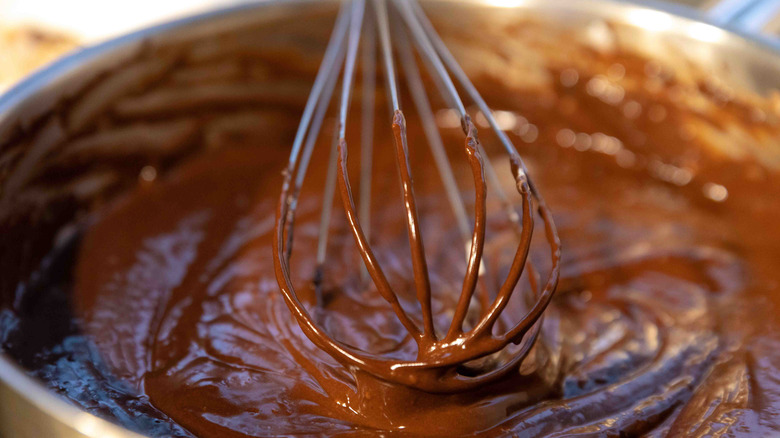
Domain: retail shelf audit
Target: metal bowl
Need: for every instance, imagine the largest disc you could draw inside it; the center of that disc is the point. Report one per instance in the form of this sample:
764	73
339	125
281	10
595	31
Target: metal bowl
27	408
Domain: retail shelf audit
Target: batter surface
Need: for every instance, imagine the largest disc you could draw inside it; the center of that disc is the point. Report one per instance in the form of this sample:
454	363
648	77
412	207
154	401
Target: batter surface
658	326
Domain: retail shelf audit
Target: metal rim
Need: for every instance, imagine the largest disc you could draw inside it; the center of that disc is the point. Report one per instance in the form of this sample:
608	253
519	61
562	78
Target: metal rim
90	425
42	78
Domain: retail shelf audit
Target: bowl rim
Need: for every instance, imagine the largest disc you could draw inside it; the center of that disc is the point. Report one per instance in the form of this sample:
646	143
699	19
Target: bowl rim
43	77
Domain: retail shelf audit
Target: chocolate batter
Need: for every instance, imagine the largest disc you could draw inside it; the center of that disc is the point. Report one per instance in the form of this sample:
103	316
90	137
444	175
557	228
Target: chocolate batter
664	322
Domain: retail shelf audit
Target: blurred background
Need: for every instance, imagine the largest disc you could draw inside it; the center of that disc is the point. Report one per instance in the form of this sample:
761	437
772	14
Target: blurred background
34	32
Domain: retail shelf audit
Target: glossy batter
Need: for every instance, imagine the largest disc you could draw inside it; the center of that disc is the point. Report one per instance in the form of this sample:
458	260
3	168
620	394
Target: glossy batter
661	324
664	322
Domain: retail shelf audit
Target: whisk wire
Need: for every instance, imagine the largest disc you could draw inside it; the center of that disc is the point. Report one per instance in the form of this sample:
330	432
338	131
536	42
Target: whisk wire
438	361
367	130
419	263
519	170
311	122
435	142
383	27
330	60
355	28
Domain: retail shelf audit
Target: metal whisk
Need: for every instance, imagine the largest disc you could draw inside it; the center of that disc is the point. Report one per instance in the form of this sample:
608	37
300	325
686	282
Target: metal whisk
440	361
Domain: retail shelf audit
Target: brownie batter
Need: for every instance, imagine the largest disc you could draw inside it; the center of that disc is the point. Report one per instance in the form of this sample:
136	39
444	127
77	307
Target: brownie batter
658	323
664	322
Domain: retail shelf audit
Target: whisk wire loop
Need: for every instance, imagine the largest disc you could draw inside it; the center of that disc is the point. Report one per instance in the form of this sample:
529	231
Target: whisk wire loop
440	362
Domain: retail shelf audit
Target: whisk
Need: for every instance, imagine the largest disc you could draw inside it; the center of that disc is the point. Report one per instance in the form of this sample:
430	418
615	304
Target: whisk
441	360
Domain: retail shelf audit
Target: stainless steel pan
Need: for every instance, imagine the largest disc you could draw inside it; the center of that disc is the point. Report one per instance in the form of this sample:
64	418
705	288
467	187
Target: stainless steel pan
724	42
